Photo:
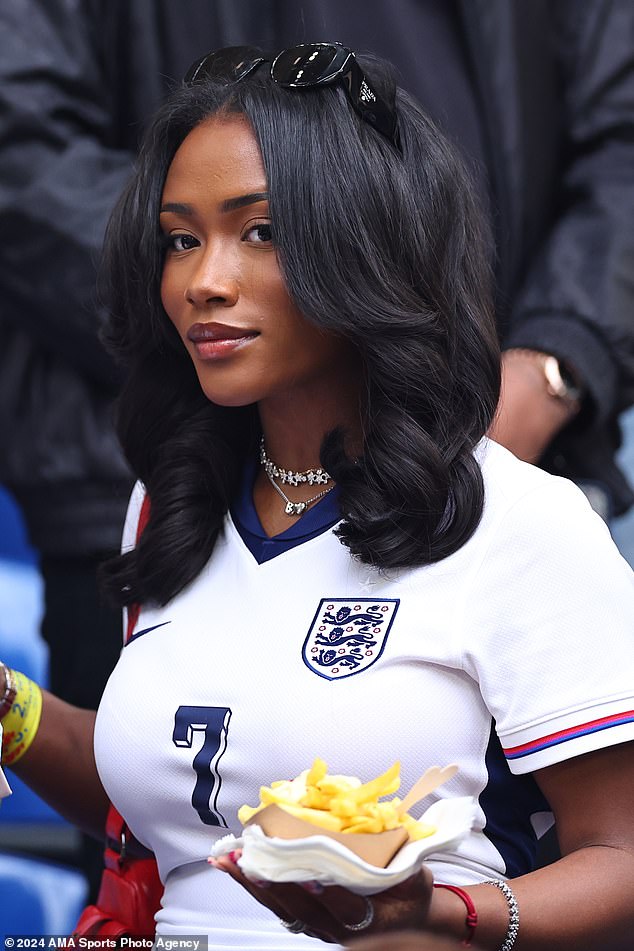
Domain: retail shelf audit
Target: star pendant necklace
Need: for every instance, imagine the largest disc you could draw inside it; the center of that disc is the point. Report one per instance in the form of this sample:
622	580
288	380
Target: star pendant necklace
289	477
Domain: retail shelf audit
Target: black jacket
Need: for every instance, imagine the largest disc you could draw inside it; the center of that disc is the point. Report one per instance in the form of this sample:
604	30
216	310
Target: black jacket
78	79
555	83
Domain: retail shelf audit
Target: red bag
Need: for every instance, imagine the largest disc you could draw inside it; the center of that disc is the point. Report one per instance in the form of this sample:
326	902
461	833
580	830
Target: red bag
130	890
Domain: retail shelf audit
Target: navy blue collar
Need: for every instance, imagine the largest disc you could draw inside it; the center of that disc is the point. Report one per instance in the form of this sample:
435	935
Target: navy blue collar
319	518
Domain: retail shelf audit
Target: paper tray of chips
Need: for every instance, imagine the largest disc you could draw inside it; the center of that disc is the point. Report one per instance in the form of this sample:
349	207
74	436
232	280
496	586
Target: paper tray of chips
296	854
374	848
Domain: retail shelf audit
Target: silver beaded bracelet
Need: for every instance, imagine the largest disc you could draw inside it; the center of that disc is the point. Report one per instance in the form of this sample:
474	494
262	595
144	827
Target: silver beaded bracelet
514	913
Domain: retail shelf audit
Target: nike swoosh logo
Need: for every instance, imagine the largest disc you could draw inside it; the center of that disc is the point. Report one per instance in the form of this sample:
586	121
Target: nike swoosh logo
145	630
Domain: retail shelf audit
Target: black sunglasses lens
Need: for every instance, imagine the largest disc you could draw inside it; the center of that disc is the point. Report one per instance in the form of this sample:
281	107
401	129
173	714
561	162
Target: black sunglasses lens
230	64
308	65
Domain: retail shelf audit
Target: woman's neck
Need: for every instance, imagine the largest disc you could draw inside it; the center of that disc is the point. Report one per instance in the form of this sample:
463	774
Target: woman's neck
294	428
293	433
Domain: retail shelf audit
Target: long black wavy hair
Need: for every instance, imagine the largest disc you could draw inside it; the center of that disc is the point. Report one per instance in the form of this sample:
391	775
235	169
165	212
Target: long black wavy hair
386	249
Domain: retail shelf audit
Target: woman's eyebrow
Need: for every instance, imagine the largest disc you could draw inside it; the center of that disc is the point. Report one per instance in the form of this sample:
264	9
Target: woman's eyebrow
177	208
229	204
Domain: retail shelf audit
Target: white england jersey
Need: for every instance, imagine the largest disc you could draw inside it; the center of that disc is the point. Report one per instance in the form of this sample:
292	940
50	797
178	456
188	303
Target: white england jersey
512	654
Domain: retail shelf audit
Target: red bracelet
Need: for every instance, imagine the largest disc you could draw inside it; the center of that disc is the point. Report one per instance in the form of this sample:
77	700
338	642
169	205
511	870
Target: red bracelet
471	921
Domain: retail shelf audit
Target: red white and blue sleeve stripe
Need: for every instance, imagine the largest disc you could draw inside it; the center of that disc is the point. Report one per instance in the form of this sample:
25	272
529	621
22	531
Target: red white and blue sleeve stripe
568	735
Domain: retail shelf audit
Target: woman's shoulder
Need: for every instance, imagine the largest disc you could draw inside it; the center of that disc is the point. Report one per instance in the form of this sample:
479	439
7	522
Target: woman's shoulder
540	518
511	484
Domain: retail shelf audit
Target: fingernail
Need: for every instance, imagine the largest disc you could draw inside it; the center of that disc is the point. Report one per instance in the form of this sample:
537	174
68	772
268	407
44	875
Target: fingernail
213	862
234	855
315	888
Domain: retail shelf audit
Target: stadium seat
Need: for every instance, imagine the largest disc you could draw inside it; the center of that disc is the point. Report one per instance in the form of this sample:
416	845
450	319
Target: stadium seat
38	897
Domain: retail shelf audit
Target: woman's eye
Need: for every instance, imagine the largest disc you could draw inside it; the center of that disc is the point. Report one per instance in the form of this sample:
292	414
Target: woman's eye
259	234
181	242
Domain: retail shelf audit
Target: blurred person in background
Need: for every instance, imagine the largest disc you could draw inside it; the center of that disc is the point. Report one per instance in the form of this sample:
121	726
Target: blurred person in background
539	97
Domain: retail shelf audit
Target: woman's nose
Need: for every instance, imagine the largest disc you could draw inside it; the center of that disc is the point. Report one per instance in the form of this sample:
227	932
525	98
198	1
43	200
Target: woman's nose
213	281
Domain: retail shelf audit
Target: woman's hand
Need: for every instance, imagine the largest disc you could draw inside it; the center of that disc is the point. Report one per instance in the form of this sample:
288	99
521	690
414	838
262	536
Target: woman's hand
328	912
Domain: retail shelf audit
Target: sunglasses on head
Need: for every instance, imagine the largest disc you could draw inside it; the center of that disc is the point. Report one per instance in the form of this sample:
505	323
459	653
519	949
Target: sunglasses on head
303	67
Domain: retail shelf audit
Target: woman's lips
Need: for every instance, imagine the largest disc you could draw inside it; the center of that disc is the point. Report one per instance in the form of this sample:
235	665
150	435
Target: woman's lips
215	340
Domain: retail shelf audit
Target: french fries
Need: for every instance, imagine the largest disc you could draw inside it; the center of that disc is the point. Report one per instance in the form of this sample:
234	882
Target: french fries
340	803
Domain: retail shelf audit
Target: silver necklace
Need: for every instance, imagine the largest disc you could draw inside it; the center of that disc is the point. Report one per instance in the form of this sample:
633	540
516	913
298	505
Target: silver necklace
287	476
308	476
297	508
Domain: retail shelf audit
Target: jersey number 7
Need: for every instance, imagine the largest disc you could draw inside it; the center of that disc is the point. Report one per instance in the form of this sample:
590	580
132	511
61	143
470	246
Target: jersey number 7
215	723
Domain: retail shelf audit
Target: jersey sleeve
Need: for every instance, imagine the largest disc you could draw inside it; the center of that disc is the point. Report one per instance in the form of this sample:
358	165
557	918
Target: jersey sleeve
131	524
129	537
549	630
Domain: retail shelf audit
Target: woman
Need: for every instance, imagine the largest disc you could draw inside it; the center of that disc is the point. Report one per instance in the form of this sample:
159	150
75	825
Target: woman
337	562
